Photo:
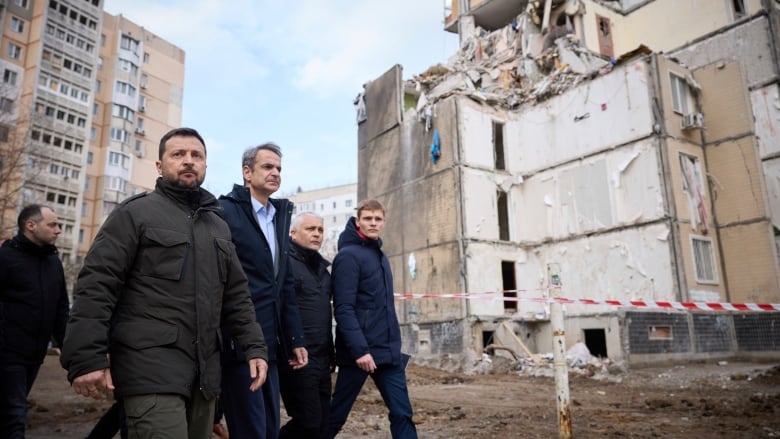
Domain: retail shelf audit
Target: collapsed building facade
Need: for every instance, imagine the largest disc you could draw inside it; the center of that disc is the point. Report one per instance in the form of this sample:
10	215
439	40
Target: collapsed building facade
550	159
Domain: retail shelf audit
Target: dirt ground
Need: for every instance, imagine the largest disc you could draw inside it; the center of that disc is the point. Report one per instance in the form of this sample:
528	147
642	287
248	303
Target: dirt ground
701	400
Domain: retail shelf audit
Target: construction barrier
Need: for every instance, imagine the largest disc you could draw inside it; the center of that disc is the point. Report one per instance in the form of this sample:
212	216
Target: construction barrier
702	306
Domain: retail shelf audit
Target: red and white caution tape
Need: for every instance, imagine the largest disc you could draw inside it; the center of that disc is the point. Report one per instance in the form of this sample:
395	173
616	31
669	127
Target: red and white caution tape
704	306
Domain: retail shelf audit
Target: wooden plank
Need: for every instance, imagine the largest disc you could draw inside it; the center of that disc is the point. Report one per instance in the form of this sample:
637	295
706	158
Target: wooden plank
535	357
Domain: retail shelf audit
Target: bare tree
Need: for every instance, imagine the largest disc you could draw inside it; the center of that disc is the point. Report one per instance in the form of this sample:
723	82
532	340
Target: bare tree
20	161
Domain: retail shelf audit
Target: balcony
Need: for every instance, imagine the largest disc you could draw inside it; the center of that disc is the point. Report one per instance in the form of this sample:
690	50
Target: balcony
74	25
70	50
114	196
488	14
58	181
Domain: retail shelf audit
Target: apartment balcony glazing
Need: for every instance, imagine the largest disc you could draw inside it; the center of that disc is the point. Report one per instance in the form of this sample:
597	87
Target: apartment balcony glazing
55	125
62	183
57	153
77	106
70	49
76	25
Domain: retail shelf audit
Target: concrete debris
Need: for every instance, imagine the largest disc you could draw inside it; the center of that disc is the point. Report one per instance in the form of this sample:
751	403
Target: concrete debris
578	355
515	65
499	359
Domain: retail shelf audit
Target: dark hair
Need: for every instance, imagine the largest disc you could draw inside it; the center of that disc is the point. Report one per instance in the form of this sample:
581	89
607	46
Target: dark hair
30	212
250	155
369	205
184	132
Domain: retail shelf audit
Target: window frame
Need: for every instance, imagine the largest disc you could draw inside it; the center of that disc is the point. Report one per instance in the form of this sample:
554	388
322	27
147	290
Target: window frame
17	24
682	95
13	51
697	259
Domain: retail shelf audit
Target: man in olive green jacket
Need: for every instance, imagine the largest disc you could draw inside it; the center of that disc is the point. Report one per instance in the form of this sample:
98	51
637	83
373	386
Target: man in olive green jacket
159	280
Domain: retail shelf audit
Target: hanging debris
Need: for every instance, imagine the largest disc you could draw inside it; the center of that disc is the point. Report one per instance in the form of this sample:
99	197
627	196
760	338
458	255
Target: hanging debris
515	65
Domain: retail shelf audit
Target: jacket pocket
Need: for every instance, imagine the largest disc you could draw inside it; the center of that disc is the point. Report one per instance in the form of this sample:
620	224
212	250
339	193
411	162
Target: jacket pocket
164	253
144	335
225	250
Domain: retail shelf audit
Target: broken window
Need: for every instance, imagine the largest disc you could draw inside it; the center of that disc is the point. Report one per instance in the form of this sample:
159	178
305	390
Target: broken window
704	260
509	286
660	333
682	97
693	186
503	215
739	10
498	145
606	47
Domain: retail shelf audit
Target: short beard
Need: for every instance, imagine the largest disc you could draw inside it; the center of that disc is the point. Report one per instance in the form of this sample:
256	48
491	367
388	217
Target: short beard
180	183
194	185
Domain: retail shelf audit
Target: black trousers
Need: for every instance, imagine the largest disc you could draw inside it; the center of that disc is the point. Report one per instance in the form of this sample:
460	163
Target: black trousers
306	397
16	380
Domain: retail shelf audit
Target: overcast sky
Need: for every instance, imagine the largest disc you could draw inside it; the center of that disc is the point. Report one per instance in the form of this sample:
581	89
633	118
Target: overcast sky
288	72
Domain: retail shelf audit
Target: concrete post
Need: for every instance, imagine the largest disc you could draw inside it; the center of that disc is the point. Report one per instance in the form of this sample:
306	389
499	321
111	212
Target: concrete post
561	371
546	17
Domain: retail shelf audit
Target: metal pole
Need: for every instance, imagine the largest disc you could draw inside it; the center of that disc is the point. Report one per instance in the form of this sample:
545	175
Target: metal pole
561	371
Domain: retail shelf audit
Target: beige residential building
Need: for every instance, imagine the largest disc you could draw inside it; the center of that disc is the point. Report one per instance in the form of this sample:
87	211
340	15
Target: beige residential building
138	97
648	178
335	204
48	58
85	97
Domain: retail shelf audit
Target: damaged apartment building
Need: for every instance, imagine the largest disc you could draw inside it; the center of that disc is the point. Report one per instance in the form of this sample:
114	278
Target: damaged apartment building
585	149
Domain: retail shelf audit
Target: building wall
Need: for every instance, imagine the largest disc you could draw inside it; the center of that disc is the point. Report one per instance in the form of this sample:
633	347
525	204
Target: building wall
58	55
654	25
611	110
157	77
749	44
600	202
741	208
421	198
765	102
422	226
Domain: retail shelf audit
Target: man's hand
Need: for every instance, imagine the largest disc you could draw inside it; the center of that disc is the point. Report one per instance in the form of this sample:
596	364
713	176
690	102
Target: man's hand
300	359
258	370
96	384
366	362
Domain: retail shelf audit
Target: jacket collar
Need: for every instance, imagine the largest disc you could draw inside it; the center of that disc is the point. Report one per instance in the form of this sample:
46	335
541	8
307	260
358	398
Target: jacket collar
193	199
241	194
21	243
311	258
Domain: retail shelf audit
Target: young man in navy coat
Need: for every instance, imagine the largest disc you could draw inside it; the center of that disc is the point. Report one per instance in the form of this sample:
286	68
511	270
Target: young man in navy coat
368	337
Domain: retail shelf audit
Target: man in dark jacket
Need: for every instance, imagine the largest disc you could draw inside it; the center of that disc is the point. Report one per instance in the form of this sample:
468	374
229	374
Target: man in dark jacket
368	337
159	280
260	227
306	392
33	308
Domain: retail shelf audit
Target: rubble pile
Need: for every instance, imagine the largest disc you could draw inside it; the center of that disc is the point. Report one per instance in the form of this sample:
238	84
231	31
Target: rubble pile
514	65
579	360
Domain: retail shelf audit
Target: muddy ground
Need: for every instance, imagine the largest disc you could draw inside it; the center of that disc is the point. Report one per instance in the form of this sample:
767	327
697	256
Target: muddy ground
703	400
